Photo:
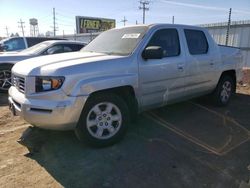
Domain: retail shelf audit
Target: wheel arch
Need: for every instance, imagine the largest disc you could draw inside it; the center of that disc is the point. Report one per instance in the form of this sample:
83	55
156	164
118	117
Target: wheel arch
232	74
127	93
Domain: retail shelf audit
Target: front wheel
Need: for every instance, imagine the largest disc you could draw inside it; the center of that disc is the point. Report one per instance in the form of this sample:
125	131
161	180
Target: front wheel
103	121
5	78
224	91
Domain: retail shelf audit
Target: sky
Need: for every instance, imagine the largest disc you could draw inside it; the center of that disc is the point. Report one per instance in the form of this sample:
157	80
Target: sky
191	12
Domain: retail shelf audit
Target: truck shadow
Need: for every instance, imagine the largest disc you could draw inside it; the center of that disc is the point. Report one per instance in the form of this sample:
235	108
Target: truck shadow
148	150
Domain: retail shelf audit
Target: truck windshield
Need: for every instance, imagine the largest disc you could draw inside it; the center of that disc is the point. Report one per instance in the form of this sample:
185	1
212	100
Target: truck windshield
117	41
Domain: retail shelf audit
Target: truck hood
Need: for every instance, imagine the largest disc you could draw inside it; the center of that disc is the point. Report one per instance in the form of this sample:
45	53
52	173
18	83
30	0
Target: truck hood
14	57
59	64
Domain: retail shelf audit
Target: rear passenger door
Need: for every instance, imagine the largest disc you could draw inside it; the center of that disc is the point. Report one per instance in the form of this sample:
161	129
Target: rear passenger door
201	62
162	80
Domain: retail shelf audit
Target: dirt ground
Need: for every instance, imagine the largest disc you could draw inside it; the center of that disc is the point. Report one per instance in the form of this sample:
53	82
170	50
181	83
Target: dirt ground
190	144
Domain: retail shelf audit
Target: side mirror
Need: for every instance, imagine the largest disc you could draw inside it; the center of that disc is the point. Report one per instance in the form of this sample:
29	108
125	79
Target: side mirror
152	52
4	47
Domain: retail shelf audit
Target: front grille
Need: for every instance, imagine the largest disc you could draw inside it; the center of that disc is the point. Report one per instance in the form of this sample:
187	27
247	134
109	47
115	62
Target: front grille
19	83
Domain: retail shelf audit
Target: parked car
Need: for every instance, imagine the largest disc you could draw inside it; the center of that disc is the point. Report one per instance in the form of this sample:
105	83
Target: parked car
97	91
8	59
20	43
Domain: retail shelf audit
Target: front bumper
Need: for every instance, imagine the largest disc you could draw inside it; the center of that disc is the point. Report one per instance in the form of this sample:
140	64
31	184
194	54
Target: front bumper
51	110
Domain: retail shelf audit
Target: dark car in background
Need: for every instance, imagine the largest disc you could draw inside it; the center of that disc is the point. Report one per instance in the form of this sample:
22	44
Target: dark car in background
8	59
20	43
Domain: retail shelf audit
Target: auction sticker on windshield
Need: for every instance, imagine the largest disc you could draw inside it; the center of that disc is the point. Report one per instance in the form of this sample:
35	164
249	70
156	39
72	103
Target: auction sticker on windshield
131	36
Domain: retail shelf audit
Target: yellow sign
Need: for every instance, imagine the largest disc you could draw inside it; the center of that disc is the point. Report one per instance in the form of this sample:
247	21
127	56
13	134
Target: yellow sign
88	24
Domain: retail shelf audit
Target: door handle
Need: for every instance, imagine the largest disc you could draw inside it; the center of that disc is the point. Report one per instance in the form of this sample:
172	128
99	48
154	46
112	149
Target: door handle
211	63
180	67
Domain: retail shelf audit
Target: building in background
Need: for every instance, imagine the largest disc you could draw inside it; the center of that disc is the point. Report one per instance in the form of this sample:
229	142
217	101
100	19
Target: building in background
239	36
93	25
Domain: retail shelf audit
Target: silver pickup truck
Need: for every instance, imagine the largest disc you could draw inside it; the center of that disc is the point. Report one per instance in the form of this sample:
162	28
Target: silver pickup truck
122	72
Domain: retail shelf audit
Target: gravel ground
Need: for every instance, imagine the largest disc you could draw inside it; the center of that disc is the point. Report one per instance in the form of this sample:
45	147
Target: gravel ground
190	144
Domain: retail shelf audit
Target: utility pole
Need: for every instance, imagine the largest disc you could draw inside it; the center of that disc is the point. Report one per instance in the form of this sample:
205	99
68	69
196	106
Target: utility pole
54	22
173	20
228	25
7	31
124	21
143	6
75	34
21	25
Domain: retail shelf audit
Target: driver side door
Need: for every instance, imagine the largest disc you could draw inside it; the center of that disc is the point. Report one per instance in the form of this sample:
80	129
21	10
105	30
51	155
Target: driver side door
162	81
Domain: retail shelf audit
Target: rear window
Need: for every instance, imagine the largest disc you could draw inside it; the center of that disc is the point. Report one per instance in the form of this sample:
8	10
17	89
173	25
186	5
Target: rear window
14	44
34	41
196	41
73	47
31	41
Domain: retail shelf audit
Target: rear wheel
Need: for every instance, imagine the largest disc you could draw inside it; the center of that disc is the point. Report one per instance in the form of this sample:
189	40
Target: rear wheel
5	78
103	121
224	91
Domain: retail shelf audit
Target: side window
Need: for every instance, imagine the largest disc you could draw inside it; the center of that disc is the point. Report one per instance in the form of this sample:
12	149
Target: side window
14	44
196	41
168	40
74	47
67	49
54	50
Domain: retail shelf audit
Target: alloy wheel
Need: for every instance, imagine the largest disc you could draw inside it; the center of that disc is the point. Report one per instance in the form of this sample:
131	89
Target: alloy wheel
226	91
104	120
5	79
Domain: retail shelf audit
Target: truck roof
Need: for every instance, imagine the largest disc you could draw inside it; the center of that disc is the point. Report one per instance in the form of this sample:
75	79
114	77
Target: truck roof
166	25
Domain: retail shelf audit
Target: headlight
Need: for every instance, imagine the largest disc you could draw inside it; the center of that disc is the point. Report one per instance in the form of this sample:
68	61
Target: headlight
47	83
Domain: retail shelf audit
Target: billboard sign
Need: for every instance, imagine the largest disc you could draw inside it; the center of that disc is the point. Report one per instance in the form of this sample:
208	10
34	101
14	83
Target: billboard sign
91	25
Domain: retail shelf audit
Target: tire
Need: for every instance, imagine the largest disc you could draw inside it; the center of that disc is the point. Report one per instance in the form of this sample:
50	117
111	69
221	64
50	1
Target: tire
5	78
103	121
224	91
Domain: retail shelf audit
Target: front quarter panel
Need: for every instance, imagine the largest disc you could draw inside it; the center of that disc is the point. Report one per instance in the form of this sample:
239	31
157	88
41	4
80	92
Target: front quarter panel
86	87
103	75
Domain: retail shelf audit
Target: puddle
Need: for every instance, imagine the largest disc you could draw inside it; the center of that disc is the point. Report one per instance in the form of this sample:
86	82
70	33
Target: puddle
204	127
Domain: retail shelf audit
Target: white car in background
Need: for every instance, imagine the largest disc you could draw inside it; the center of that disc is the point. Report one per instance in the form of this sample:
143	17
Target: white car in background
8	59
20	43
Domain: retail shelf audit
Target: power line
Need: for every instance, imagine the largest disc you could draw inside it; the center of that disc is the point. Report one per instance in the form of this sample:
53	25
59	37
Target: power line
67	25
21	25
65	16
45	18
124	21
65	21
143	6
